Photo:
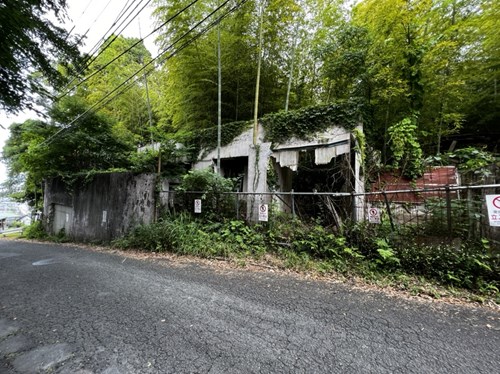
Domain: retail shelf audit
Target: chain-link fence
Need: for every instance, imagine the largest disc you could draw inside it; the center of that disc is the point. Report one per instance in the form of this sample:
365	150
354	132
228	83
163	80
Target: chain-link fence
446	213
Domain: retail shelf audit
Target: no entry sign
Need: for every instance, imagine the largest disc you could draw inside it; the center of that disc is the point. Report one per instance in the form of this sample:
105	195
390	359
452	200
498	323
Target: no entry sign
197	205
263	212
493	204
374	215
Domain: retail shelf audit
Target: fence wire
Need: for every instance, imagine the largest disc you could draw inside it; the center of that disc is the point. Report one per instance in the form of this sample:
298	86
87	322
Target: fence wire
451	213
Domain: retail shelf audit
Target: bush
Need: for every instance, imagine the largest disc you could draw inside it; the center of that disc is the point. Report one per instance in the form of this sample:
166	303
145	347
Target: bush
212	189
35	231
469	266
304	246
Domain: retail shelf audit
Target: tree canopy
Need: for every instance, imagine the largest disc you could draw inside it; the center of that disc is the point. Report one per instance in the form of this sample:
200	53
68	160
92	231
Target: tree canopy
424	69
31	47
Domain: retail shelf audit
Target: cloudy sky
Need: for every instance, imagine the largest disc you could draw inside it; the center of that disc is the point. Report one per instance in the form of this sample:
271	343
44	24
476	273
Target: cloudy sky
93	18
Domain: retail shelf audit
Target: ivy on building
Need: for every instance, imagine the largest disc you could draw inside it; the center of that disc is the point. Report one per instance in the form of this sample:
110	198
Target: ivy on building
304	123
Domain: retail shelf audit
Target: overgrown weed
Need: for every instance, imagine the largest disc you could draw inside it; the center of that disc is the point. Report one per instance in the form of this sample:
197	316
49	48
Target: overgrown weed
436	271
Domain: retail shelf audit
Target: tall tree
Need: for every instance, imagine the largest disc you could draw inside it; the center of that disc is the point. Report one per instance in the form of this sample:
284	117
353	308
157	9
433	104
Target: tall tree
483	71
41	150
190	77
117	61
31	43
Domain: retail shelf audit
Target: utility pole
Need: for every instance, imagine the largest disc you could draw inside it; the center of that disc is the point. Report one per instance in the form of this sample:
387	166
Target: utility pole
219	97
257	84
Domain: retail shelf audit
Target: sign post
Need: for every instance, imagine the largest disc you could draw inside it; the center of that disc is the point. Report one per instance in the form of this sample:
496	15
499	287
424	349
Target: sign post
493	204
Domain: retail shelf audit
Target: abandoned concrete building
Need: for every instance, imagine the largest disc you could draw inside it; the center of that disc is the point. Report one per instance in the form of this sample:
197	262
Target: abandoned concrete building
112	204
242	157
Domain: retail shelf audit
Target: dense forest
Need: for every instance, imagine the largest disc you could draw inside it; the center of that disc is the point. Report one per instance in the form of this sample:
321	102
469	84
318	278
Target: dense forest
425	69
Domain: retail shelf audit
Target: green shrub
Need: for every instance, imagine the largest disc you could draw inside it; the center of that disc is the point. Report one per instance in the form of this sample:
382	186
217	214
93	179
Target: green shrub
212	189
35	231
304	246
469	266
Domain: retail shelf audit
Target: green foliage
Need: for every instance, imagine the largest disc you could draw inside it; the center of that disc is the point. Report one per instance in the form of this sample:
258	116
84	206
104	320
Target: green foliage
170	154
469	266
301	243
211	188
464	215
311	247
185	235
35	231
386	255
304	123
405	147
474	164
127	113
345	70
245	238
31	42
42	150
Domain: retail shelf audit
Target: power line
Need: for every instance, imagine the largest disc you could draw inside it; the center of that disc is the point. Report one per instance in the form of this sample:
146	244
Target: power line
93	22
81	15
121	14
128	82
91	58
116	32
101	68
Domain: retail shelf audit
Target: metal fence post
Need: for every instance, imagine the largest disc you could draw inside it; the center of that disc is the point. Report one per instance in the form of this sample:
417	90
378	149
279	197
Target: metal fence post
293	203
388	207
237	202
471	232
448	210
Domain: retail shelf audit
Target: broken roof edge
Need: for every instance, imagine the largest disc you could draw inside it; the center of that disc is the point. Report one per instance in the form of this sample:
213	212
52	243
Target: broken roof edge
307	122
298	125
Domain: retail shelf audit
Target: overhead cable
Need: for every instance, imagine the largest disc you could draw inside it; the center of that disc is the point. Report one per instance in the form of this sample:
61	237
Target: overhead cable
101	68
129	81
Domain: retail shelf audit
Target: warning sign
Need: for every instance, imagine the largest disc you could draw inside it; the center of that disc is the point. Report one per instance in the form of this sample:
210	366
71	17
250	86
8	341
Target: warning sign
263	212
493	204
197	205
374	215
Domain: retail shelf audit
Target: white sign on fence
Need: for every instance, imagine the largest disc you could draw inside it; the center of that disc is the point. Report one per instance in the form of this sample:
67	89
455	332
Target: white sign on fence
493	204
263	212
374	215
197	205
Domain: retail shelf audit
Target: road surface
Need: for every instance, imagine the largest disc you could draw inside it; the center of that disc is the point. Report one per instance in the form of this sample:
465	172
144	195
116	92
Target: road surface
71	310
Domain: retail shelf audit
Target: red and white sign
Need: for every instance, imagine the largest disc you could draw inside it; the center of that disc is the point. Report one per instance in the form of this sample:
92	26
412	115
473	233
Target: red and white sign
374	215
493	204
197	205
263	212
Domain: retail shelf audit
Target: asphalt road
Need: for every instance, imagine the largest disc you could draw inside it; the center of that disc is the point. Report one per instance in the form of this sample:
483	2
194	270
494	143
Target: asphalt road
71	310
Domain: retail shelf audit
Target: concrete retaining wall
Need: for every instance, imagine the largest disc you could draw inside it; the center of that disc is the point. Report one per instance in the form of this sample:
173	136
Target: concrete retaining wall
101	210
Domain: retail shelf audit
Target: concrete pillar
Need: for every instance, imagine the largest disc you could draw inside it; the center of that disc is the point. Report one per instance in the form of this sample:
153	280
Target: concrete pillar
285	179
359	179
258	159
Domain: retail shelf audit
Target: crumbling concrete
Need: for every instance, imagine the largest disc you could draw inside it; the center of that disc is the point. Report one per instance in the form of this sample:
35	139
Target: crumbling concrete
100	210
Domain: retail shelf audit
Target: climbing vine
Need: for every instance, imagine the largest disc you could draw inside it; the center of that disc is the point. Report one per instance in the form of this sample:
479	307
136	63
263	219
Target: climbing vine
305	122
279	127
360	146
405	148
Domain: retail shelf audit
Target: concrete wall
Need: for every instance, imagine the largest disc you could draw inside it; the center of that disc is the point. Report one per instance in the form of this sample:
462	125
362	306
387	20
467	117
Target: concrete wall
101	210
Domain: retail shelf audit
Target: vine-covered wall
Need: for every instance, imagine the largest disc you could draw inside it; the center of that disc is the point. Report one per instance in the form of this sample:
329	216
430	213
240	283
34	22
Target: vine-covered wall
279	127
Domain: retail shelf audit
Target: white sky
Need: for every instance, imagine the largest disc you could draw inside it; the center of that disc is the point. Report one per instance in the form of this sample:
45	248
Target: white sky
96	17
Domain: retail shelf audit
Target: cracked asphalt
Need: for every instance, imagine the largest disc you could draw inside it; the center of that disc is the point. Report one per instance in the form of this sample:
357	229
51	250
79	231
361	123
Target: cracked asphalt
71	310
